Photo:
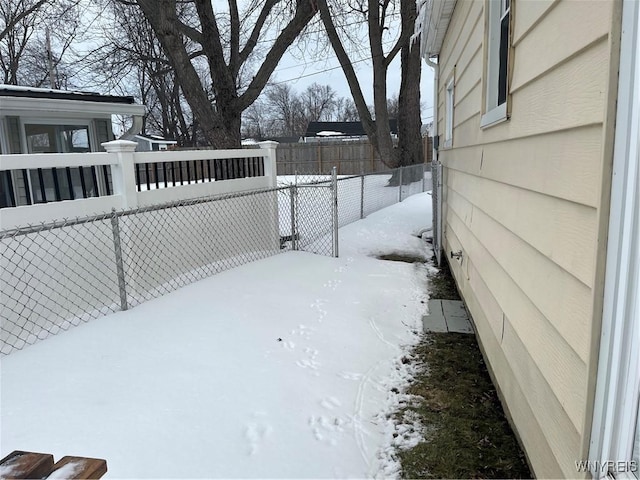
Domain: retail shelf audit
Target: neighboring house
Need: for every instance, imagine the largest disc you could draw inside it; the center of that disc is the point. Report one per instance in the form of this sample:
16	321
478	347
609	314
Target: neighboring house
285	139
319	131
36	120
537	115
150	143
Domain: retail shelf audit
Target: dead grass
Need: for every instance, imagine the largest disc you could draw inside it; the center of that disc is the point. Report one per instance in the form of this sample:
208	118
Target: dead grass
442	284
401	257
467	435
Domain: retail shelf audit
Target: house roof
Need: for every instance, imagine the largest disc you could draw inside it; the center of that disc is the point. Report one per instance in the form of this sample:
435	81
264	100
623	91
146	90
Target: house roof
32	92
432	23
156	139
342	129
17	98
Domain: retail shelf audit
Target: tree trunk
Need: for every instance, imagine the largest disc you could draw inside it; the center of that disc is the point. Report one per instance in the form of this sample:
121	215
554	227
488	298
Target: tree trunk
219	120
377	130
410	150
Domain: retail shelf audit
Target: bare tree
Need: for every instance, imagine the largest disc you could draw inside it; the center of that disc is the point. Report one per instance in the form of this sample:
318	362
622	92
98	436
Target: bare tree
15	12
225	43
254	121
376	14
409	121
346	111
393	106
286	110
130	60
318	102
35	35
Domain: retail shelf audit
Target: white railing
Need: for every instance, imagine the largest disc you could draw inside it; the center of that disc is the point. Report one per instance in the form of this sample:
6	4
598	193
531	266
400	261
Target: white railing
123	161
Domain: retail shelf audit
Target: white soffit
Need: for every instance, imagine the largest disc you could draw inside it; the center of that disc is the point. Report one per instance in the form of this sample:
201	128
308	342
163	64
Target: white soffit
69	106
433	21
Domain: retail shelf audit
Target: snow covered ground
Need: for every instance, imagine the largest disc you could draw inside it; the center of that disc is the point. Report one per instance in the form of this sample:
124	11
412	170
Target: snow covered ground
279	368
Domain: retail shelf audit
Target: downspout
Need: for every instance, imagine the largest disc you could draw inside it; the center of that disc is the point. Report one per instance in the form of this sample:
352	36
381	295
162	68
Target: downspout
136	128
435	165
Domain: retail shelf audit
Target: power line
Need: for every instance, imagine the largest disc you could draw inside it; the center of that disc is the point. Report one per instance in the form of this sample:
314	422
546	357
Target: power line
361	22
319	72
305	64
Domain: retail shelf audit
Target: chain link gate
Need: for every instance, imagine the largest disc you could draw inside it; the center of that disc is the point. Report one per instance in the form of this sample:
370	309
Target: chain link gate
313	216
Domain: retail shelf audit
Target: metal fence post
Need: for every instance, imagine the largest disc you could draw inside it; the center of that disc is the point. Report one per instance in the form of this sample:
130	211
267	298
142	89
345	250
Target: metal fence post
361	196
400	184
424	171
334	206
293	191
122	286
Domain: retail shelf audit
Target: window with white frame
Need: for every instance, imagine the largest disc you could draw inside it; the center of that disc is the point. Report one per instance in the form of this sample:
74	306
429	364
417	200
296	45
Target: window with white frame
496	74
448	114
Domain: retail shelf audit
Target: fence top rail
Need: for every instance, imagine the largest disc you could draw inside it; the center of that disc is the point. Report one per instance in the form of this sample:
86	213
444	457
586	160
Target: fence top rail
67	222
53	160
186	155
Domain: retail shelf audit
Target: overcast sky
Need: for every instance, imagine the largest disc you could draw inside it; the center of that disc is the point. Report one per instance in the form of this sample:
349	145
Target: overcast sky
328	72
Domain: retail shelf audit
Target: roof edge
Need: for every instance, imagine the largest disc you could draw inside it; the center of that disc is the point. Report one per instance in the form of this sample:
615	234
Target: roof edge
433	22
32	92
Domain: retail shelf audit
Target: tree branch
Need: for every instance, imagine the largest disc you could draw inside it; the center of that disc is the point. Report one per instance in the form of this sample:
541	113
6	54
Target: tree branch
347	68
25	13
305	11
234	37
189	32
255	33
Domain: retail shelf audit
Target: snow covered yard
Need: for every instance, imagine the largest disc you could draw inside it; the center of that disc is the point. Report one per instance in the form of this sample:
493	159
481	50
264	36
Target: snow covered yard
279	368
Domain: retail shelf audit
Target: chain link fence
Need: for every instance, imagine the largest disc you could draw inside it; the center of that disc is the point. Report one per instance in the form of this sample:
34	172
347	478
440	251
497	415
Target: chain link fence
58	275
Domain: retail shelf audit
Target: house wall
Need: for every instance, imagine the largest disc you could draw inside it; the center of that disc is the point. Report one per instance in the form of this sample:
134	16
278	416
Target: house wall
526	201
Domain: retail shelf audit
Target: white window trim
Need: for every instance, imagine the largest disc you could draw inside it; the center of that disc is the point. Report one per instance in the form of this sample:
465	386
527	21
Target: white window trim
449	100
4	138
84	122
494	113
494	116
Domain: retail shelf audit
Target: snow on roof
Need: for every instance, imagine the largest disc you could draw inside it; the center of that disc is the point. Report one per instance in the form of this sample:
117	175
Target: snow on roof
156	138
50	93
20	88
329	133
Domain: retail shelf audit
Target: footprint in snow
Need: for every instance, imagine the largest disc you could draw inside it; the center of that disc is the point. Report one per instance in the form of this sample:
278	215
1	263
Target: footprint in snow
317	305
308	363
330	403
288	344
332	284
326	429
256	433
350	375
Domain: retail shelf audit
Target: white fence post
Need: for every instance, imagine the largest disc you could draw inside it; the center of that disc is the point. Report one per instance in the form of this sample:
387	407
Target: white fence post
123	174
270	165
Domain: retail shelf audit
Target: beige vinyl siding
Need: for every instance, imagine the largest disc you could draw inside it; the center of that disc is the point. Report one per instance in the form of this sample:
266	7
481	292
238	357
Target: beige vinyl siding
522	200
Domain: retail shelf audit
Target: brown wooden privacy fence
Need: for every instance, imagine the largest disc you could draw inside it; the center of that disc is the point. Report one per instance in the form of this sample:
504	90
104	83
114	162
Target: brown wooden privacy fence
352	157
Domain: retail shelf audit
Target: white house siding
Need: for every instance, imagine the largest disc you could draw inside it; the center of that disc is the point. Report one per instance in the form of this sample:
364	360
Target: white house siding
523	201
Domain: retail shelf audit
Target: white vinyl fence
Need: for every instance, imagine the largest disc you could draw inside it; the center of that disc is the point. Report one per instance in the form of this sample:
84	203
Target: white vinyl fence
151	235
